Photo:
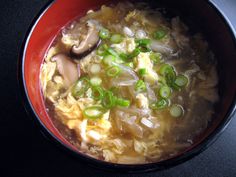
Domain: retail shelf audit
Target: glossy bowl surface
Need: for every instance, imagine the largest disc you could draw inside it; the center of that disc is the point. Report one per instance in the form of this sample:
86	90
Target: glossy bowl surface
59	13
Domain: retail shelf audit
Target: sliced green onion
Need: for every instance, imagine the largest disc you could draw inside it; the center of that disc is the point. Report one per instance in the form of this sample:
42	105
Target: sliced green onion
162	80
95	68
129	57
97	93
170	78
116	38
143	45
108	100
134	53
122	102
143	42
176	110
155	57
161	104
165	92
93	112
159	34
144	49
108	59
102	50
124	56
130	64
81	86
142	71
95	81
104	33
113	52
165	68
168	72
140	86
181	81
113	71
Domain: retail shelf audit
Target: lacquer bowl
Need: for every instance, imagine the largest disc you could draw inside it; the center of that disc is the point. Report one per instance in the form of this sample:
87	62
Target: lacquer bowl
202	14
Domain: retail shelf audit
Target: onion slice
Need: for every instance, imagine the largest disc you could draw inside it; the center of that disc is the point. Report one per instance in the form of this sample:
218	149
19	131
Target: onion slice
151	94
124	83
127	70
159	47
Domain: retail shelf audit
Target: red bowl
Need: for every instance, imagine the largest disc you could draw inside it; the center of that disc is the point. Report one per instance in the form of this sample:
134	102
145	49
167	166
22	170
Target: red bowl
58	13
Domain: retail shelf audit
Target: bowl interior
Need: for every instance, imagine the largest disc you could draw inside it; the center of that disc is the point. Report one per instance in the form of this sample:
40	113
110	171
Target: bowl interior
59	13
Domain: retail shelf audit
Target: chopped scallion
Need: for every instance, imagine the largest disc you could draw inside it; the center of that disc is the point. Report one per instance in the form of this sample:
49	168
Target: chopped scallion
165	68
155	57
143	45
97	93
143	42
160	104
159	34
108	100
176	110
168	72
135	53
122	102
124	56
165	91
140	86
81	86
108	59
170	78
144	49
142	71
113	52
113	71
181	81
95	81
104	33
95	68
102	50
93	112
130	64
116	38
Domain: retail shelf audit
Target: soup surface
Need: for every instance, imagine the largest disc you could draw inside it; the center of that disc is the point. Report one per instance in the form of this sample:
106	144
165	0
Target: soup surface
126	85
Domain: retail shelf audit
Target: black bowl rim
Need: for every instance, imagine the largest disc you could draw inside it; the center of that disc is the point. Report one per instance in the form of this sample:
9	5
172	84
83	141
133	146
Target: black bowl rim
133	168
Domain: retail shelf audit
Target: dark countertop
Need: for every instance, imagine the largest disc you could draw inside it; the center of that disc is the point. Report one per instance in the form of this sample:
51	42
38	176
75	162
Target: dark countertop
26	153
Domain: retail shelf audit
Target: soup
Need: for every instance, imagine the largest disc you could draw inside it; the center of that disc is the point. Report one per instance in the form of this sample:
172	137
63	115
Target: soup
127	85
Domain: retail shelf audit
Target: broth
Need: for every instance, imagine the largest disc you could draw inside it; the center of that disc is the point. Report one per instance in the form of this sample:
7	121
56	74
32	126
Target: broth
126	85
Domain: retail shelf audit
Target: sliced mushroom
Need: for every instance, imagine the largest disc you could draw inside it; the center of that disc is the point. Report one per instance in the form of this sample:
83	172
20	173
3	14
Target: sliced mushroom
89	42
67	68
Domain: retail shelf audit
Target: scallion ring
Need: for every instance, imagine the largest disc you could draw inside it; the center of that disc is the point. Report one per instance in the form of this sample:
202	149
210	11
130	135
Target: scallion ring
108	100
122	102
93	112
108	59
134	53
94	81
97	93
143	42
104	33
116	38
181	81
113	71
176	110
159	34
81	86
160	104
140	86
142	72
102	50
155	57
165	91
165	68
